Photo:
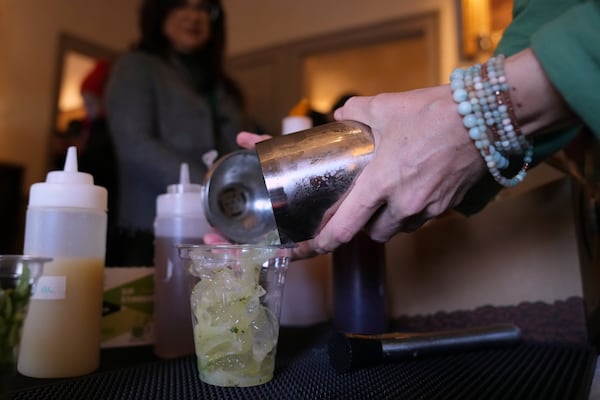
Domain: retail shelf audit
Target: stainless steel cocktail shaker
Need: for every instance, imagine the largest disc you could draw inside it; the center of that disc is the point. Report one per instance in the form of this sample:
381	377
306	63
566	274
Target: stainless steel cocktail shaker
291	183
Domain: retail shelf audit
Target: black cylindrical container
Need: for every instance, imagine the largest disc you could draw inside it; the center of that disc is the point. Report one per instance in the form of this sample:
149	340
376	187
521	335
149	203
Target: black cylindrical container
359	295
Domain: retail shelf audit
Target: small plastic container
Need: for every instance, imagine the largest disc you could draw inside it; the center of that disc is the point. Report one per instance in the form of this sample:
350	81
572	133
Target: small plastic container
18	273
179	220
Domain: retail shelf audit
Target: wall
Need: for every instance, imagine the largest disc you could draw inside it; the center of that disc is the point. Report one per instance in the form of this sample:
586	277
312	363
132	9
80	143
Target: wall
276	21
371	59
522	248
28	49
262	23
28	45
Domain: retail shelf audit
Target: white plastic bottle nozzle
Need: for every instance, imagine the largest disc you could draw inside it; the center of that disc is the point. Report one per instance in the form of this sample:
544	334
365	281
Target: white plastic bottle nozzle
69	188
184	174
183	198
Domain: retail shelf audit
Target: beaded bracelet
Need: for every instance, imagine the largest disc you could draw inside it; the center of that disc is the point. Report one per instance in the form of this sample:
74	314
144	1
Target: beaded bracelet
481	92
506	125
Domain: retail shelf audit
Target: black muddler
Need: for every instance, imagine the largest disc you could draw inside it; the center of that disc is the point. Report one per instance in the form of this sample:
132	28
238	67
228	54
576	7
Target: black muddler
349	351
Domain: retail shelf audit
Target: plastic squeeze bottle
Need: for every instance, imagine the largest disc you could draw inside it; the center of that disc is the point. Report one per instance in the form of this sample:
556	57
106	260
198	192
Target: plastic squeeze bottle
66	220
305	299
179	219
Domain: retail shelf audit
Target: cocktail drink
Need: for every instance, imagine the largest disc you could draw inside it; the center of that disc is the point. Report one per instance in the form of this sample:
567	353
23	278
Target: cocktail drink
235	301
17	275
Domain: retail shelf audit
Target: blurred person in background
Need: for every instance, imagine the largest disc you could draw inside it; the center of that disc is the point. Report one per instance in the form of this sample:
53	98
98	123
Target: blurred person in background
169	101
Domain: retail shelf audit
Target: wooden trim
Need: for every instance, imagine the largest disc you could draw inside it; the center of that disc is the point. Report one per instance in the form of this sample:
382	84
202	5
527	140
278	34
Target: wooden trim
285	61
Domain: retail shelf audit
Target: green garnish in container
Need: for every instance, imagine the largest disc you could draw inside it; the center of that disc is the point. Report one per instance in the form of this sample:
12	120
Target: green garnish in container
17	277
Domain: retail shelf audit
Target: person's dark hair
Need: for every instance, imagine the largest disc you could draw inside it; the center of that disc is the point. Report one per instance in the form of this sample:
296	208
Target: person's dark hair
211	56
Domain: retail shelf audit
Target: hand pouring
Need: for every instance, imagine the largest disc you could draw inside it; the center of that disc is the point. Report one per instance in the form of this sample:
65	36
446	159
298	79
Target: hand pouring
291	183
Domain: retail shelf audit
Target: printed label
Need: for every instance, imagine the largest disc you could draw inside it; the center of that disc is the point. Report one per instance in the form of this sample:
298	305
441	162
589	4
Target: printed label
50	288
127	315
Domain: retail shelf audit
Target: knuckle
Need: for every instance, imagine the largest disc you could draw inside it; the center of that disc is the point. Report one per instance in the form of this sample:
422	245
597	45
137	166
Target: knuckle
343	234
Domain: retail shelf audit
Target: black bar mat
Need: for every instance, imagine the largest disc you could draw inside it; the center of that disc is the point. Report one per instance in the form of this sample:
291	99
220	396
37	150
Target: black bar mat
528	371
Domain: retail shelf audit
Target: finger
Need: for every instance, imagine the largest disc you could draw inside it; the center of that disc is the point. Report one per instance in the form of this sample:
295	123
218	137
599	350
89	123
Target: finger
385	224
353	213
355	109
304	250
214	238
382	225
247	140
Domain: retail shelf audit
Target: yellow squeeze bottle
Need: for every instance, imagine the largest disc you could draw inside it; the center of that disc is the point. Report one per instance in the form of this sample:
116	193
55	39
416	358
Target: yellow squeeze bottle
66	220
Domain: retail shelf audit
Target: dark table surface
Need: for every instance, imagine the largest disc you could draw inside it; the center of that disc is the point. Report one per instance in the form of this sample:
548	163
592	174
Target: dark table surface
292	341
554	361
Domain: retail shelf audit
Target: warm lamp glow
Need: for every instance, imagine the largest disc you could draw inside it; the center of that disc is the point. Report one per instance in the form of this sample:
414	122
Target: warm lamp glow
76	67
70	104
476	27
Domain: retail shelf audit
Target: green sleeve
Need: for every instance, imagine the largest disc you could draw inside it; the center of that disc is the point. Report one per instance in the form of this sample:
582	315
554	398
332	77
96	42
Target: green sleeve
565	35
569	50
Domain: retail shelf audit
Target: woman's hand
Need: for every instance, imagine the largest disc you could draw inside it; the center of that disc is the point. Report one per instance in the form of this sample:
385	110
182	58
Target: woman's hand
214	238
424	161
303	249
248	140
423	164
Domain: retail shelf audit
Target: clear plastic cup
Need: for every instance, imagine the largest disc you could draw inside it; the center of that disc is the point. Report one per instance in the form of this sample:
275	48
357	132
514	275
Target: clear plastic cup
235	293
18	274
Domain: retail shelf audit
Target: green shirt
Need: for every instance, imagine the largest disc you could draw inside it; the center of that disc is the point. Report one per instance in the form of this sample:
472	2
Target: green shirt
565	37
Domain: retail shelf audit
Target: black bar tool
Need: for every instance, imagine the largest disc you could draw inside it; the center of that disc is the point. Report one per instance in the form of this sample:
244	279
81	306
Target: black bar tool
348	351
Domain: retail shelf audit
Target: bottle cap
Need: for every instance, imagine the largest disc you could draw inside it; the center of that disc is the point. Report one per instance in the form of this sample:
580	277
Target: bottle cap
295	123
68	188
181	198
297	119
300	109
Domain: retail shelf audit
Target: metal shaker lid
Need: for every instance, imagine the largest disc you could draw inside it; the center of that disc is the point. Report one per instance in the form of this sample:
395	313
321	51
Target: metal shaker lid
236	200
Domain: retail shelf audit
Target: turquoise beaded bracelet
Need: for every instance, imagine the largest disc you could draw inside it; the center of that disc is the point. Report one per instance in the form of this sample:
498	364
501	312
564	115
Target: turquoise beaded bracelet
481	92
